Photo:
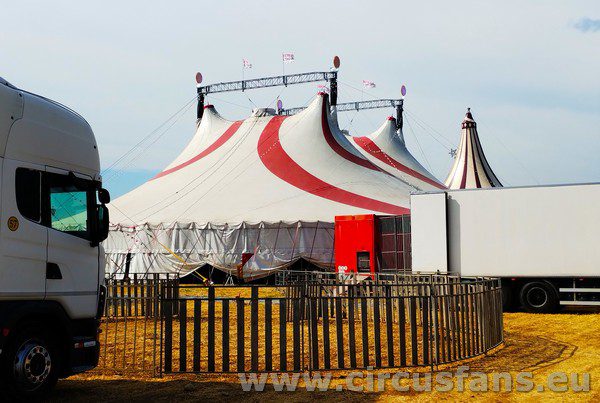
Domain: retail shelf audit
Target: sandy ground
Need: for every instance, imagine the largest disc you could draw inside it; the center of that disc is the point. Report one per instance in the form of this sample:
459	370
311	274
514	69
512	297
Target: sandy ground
540	344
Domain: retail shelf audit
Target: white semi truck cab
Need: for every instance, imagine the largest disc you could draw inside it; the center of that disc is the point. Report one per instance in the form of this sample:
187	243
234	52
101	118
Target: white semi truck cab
52	220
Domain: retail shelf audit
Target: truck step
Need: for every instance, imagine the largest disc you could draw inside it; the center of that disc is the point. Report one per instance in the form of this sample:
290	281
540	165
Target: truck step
580	303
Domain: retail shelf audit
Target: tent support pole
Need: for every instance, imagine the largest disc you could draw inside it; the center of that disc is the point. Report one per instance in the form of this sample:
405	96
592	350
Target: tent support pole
333	89
200	109
399	117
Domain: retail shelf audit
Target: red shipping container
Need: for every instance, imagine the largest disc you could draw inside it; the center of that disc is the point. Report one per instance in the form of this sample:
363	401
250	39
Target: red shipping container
355	243
370	243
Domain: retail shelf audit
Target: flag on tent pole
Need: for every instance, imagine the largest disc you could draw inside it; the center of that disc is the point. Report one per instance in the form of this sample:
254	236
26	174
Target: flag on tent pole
288	57
368	84
245	65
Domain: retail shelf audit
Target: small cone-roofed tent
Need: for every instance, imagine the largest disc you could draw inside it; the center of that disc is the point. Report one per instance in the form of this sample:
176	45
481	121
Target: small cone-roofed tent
386	149
267	185
471	169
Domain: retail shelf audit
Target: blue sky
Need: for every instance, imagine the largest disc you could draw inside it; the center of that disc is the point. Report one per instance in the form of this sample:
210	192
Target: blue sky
529	71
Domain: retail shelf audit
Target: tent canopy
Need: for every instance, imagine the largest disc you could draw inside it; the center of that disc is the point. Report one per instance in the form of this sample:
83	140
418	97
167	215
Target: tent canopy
266	173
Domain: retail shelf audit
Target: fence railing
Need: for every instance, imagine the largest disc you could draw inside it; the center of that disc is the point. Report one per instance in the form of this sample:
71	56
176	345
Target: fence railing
138	296
305	323
332	278
132	323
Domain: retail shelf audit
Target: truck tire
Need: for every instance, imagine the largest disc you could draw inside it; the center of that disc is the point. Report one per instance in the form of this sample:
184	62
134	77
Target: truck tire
31	364
539	297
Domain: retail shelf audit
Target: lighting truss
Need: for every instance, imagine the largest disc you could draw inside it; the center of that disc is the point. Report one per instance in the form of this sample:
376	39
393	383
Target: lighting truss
354	106
265	82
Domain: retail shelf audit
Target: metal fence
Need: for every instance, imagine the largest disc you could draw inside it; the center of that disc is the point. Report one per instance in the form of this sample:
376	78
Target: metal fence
308	322
139	296
131	328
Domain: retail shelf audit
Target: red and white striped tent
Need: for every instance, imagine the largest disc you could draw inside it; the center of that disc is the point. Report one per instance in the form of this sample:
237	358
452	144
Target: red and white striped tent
386	149
471	169
267	185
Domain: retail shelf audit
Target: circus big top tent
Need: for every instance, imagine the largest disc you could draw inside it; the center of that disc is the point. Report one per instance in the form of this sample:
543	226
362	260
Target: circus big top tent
471	169
268	185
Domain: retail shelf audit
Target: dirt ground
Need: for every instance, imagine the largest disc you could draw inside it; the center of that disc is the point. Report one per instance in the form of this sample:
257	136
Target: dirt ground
541	344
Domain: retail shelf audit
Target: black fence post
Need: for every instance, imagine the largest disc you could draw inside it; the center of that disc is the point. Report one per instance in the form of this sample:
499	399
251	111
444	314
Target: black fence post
254	329
211	330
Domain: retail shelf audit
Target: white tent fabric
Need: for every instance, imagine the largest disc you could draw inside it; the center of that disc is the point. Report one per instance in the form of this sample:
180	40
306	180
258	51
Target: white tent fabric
268	185
159	249
386	149
470	169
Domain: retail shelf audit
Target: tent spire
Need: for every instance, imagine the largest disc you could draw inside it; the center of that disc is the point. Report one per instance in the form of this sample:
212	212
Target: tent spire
469	115
470	169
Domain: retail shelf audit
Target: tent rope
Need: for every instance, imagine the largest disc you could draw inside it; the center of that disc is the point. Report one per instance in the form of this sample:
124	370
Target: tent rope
149	135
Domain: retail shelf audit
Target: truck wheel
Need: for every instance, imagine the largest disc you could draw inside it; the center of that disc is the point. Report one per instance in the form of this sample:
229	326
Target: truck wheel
539	297
30	366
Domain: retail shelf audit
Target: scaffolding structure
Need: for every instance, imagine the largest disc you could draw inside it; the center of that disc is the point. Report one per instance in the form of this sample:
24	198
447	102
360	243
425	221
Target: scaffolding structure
397	104
265	82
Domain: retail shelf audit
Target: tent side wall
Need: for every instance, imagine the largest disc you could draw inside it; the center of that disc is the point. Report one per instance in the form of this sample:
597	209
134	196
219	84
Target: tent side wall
183	248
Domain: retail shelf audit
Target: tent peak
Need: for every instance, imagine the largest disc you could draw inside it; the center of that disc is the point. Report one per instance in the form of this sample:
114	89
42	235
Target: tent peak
469	115
468	120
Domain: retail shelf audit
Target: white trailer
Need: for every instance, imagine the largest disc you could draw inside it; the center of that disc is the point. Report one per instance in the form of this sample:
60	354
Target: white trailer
543	241
52	220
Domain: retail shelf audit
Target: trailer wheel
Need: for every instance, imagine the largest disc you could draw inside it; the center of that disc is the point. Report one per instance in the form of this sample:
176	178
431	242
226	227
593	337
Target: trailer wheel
30	365
539	297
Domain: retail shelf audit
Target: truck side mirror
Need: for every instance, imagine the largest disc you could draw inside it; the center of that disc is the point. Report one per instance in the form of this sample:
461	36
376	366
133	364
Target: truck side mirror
103	196
103	221
103	224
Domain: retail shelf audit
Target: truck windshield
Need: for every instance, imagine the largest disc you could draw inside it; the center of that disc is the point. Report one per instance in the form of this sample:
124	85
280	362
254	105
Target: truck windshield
68	209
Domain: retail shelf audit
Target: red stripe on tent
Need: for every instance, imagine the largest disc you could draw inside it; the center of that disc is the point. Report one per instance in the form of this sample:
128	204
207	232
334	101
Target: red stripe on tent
341	151
276	160
463	182
477	183
369	146
218	143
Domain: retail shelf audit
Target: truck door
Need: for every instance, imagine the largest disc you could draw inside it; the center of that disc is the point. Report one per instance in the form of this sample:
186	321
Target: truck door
23	237
72	277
